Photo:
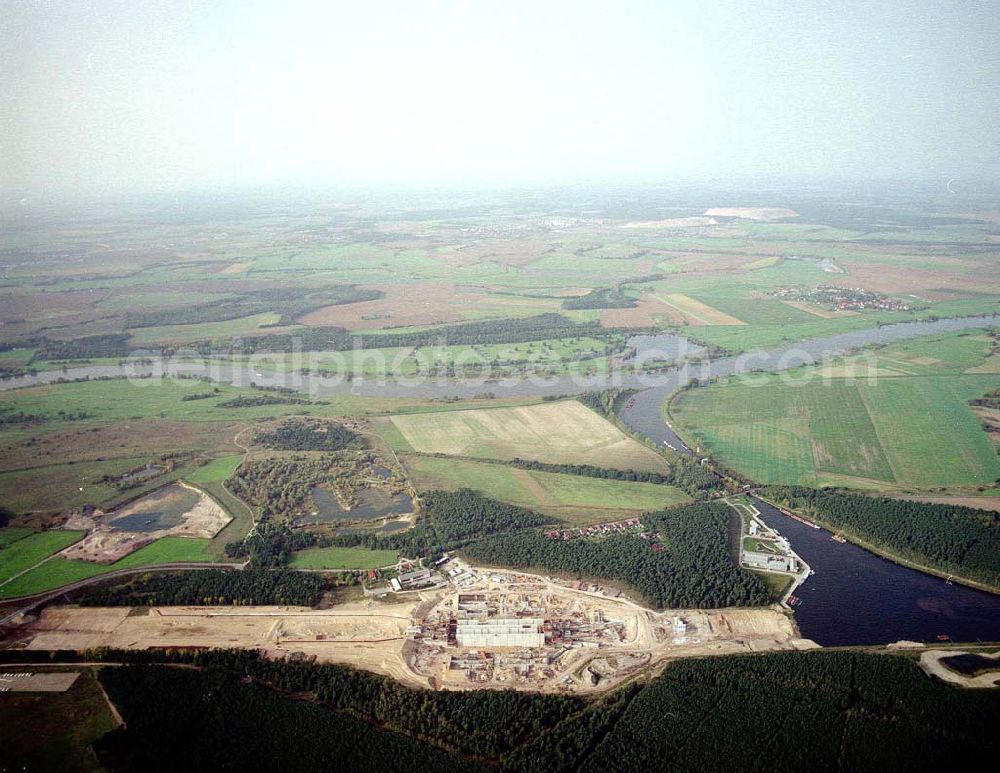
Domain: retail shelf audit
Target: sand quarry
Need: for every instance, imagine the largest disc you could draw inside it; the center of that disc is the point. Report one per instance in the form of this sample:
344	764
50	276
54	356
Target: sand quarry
407	637
176	510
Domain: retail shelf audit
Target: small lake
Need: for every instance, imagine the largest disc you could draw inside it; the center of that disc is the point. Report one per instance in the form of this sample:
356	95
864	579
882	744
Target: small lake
371	505
151	520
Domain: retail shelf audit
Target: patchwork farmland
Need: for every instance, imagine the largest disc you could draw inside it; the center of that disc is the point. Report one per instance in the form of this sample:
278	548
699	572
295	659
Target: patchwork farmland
562	432
909	426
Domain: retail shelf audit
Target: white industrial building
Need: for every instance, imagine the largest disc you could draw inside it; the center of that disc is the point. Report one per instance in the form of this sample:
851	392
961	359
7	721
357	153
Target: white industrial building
770	561
500	632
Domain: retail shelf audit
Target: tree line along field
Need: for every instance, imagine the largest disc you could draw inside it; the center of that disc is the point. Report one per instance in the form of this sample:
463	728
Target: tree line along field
910	426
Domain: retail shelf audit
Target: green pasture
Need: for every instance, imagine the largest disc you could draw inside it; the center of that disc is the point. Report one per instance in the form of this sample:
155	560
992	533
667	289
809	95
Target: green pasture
342	558
27	551
216	470
572	498
911	429
58	571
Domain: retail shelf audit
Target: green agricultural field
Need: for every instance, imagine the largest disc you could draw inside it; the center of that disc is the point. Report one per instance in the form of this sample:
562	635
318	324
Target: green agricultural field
57	572
216	470
911	427
16	358
562	432
10	534
203	330
29	550
121	400
572	498
343	558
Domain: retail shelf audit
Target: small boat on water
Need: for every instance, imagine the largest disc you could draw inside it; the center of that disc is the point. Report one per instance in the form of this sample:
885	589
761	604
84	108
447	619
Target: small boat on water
838	538
800	519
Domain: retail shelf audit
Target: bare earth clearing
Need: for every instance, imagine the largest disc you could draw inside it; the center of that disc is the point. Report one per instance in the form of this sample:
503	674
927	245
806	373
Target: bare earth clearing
593	641
108	539
930	662
45	681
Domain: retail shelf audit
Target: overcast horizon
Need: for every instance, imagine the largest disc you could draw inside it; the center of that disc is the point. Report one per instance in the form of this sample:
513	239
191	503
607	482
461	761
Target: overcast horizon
108	98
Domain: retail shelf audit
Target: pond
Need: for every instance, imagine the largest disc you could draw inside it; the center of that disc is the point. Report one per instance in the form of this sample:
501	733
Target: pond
372	504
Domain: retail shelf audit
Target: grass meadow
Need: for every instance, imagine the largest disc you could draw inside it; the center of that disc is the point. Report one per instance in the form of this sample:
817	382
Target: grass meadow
342	558
910	428
58	571
571	498
563	432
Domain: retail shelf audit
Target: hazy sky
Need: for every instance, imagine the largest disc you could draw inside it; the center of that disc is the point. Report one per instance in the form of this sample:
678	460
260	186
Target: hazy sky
108	95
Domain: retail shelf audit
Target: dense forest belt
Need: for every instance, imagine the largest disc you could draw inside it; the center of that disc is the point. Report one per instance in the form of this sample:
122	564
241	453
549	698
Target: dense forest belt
210	587
496	331
948	540
659	384
684	562
290	303
823	711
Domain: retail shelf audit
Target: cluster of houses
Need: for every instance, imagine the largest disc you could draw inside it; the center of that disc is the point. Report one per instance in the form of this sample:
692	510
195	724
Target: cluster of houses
632	525
843	298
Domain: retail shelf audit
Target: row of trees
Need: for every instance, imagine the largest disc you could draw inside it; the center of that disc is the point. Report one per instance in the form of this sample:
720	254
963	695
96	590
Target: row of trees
254	401
990	400
87	347
959	540
290	303
209	587
494	331
685	473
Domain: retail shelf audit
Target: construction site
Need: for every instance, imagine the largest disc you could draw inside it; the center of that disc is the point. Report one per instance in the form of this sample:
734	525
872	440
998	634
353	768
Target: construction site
507	629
